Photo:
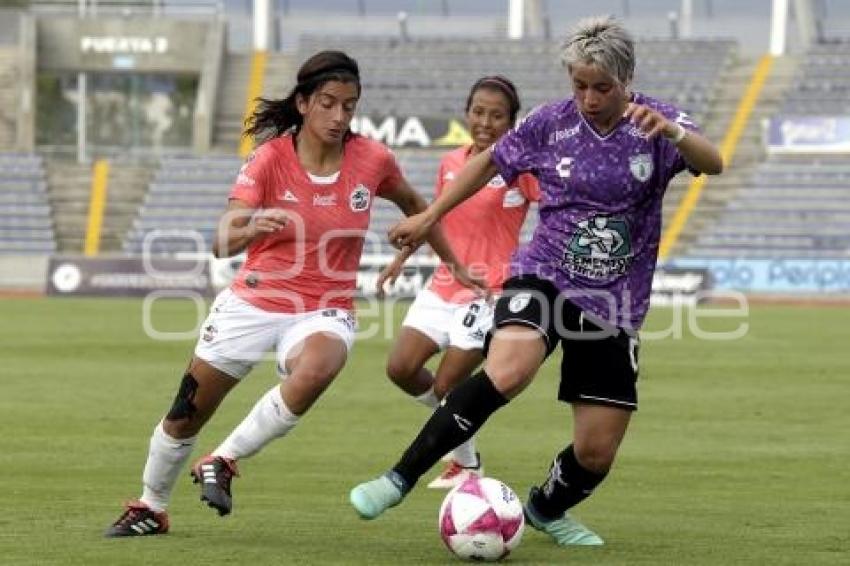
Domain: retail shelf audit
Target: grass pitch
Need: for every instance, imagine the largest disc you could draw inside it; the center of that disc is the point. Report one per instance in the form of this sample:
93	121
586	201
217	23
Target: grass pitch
738	455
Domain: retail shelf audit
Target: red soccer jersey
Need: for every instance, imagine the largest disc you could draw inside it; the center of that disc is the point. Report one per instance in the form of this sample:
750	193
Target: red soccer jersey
312	263
483	231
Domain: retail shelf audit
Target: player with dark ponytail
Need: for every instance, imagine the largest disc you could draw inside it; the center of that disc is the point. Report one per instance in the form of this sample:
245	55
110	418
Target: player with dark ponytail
299	208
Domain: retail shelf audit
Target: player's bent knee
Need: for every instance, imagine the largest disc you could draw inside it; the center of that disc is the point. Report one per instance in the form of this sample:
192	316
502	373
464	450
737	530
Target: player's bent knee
510	379
400	372
596	457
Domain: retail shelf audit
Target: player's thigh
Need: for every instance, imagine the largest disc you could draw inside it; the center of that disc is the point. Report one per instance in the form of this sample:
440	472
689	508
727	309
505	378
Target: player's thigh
311	353
430	315
515	354
320	357
524	333
409	353
236	335
599	366
455	366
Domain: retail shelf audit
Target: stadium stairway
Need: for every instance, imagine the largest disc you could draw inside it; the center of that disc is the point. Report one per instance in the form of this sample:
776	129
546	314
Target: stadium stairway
8	96
750	151
69	190
233	91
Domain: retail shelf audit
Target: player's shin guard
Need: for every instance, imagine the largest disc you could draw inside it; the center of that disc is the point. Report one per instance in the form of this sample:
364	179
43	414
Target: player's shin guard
166	457
455	421
568	484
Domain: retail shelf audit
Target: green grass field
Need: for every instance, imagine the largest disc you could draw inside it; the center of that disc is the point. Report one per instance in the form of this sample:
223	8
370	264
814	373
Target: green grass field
739	454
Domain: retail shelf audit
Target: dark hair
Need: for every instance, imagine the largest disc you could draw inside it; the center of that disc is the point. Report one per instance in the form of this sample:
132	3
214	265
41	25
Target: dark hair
503	85
274	117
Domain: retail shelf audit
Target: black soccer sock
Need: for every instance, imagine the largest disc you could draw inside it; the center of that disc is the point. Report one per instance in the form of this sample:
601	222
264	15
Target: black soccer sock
567	485
455	421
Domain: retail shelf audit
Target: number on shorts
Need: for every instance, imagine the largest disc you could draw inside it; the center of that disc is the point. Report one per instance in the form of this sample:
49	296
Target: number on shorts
471	315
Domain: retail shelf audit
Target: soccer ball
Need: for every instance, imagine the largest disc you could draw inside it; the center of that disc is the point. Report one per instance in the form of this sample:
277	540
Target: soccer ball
481	519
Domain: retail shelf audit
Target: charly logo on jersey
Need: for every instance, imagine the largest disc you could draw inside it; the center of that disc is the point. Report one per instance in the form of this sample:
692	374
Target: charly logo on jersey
563	167
359	198
601	248
641	166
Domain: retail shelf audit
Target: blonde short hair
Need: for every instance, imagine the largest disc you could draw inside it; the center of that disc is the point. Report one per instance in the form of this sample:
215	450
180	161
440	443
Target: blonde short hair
601	41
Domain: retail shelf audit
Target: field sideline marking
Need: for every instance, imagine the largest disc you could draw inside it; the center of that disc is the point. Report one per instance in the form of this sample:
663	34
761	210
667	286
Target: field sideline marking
97	205
255	89
727	150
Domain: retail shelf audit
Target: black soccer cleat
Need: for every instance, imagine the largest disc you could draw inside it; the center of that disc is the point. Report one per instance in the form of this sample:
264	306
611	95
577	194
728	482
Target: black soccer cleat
138	520
214	473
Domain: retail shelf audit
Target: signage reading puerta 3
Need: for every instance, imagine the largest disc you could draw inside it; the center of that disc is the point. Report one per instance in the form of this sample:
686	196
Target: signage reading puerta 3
153	45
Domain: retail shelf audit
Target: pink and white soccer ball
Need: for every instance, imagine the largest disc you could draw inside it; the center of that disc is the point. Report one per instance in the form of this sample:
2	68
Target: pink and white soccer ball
481	519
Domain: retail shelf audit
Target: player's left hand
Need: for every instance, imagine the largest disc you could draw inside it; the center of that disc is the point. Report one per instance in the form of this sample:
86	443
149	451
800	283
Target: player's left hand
649	121
391	272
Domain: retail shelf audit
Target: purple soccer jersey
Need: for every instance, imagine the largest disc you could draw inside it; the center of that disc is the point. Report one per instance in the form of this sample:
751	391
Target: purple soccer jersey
600	209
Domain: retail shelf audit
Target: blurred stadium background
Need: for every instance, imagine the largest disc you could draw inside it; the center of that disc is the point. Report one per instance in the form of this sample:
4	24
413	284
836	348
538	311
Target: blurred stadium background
119	139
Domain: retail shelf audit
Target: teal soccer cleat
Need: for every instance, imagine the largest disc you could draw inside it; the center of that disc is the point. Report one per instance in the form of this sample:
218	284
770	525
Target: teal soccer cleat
565	531
372	498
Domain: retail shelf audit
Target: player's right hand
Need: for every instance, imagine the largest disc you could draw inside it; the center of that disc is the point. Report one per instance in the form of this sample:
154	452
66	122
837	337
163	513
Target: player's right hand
391	272
410	231
268	221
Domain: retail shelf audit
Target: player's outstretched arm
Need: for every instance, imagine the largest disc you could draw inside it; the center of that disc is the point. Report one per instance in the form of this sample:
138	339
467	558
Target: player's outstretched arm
240	225
474	175
412	204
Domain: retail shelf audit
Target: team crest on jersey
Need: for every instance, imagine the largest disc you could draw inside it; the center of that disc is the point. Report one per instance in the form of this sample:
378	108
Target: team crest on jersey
359	198
641	166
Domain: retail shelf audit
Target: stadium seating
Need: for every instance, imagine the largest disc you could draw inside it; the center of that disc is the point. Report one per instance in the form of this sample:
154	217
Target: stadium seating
794	207
823	86
431	77
26	226
182	205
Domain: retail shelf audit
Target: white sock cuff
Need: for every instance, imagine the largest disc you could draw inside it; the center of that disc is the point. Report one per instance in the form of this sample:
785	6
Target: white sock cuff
162	436
279	410
428	399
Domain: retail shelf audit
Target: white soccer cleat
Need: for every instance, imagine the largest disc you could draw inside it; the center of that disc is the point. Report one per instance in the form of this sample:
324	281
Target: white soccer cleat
455	474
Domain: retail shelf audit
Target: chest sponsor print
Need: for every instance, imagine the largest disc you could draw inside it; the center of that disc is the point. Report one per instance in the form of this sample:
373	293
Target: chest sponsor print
600	248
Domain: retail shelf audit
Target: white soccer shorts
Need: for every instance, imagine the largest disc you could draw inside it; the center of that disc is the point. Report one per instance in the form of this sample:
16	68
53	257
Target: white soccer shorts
461	325
236	334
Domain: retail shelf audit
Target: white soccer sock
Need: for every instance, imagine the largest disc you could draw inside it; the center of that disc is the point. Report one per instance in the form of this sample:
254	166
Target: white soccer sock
464	454
269	419
428	399
166	457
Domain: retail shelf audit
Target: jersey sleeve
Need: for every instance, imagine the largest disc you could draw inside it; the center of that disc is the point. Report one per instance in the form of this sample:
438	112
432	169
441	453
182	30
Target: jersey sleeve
251	183
516	152
440	182
391	174
672	160
530	188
